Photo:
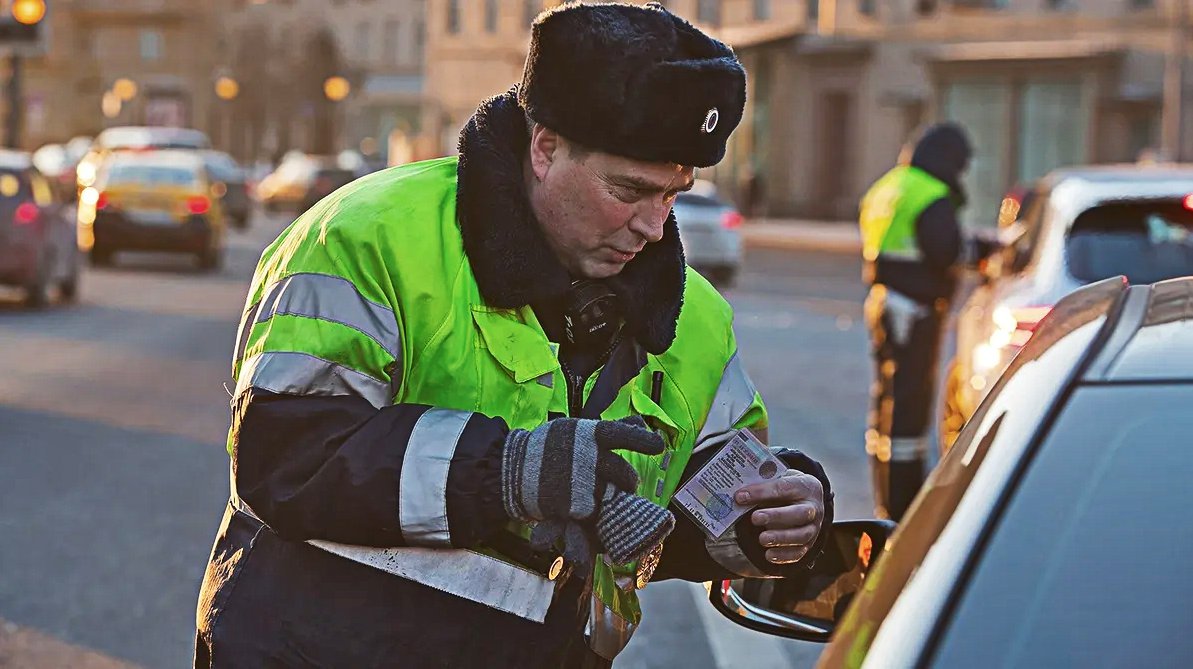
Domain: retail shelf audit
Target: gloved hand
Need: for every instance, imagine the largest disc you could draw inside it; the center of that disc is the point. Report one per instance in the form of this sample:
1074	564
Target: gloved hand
556	471
627	528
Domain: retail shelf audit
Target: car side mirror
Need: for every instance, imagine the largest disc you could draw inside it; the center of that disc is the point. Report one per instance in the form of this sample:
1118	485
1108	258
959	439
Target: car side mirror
807	606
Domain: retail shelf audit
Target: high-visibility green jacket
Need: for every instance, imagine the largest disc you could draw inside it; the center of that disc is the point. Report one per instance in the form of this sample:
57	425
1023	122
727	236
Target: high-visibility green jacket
890	210
370	294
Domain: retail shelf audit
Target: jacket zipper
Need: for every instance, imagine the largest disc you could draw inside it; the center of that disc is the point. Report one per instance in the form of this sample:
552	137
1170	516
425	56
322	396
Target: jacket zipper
575	384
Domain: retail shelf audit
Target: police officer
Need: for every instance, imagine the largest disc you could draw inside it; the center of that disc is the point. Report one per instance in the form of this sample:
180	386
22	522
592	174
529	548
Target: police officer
913	247
437	362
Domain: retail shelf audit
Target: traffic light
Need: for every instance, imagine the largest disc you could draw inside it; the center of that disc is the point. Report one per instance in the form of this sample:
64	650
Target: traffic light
20	21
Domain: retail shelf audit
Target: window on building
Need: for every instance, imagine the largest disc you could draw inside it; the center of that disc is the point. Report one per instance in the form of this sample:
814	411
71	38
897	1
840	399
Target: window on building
867	7
391	41
491	16
151	45
531	9
709	12
85	42
1142	4
453	16
420	38
813	10
761	10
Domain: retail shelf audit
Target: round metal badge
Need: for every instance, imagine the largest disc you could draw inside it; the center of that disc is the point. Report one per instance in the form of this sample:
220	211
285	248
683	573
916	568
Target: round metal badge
647	565
710	121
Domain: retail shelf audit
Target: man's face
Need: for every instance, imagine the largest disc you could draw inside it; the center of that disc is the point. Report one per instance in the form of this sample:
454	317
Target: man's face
598	210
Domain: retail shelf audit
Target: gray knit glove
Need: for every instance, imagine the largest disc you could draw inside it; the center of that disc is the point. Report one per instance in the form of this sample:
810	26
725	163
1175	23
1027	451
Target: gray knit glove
627	528
556	471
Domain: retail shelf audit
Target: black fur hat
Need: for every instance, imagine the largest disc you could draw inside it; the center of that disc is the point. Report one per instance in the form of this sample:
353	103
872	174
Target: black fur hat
635	81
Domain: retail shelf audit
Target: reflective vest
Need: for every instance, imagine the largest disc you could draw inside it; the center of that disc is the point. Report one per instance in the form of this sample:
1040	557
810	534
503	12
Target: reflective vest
889	211
370	293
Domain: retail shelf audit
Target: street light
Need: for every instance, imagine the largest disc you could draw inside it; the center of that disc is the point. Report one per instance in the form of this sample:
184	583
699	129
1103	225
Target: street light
226	88
336	88
125	89
28	12
111	104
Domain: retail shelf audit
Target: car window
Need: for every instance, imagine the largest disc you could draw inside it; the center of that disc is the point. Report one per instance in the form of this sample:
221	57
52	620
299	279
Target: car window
913	569
1033	207
156	175
1146	241
1085	565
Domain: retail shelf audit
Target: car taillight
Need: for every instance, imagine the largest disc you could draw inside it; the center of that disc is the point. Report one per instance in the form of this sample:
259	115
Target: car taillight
102	201
731	220
198	204
26	213
1014	326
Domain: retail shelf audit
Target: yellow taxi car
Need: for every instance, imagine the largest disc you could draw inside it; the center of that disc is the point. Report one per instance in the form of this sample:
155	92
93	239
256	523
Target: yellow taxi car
152	201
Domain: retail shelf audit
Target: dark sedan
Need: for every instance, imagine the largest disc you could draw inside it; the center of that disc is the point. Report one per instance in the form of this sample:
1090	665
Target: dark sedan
38	240
228	184
1053	533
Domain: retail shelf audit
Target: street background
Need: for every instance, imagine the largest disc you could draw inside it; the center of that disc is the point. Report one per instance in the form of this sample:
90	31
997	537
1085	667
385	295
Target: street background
114	408
113	473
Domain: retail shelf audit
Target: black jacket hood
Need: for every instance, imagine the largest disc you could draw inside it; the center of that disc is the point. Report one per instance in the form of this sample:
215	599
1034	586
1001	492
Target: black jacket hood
944	152
512	262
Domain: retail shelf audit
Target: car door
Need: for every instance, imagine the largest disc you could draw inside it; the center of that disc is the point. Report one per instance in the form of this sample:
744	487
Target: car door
60	234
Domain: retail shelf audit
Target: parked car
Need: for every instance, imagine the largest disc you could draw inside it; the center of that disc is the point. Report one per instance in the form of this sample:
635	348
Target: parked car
230	187
1053	534
37	236
302	179
157	201
1080	226
135	138
708	228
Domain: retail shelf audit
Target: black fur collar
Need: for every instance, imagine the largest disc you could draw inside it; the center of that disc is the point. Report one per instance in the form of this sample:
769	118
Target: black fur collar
510	258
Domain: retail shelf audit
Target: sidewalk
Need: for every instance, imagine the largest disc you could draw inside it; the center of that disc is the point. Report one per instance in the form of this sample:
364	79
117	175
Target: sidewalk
796	234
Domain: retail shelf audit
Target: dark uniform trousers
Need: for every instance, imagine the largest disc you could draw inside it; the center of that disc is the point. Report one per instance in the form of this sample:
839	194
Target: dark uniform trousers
905	341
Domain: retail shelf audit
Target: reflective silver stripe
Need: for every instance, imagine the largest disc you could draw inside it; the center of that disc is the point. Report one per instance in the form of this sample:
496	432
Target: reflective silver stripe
607	632
422	490
735	396
906	254
728	553
296	373
908	448
246	329
472	576
334	299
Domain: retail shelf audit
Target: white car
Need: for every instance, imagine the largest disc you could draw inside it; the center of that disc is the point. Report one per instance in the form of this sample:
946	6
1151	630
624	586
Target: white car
708	228
1082	225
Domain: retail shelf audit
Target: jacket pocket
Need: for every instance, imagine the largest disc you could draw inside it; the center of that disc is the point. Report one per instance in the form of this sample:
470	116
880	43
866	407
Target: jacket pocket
517	376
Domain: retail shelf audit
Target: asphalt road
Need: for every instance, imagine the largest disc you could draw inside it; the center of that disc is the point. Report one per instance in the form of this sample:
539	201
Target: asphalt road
113	474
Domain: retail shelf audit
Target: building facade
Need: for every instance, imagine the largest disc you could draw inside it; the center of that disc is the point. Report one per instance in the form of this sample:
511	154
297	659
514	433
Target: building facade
165	48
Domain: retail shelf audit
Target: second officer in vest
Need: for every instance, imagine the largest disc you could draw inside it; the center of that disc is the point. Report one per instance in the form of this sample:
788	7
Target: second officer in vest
467	389
913	246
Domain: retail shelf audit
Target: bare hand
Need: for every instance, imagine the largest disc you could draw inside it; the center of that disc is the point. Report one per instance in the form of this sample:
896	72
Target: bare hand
792	509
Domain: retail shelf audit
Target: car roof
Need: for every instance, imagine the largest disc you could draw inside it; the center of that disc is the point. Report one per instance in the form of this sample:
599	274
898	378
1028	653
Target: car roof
125	136
160	157
1153	337
15	160
1074	190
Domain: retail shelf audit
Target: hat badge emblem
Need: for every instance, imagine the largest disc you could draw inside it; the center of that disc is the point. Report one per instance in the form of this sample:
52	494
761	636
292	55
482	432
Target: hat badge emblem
710	121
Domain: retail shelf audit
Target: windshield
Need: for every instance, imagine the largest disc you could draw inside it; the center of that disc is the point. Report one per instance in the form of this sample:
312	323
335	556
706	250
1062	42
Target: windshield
156	175
1145	241
1093	539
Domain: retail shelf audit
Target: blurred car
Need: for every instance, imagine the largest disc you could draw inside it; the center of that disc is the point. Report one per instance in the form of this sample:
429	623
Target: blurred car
1082	225
57	163
301	180
230	186
37	236
1052	535
135	138
708	228
325	181
157	201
